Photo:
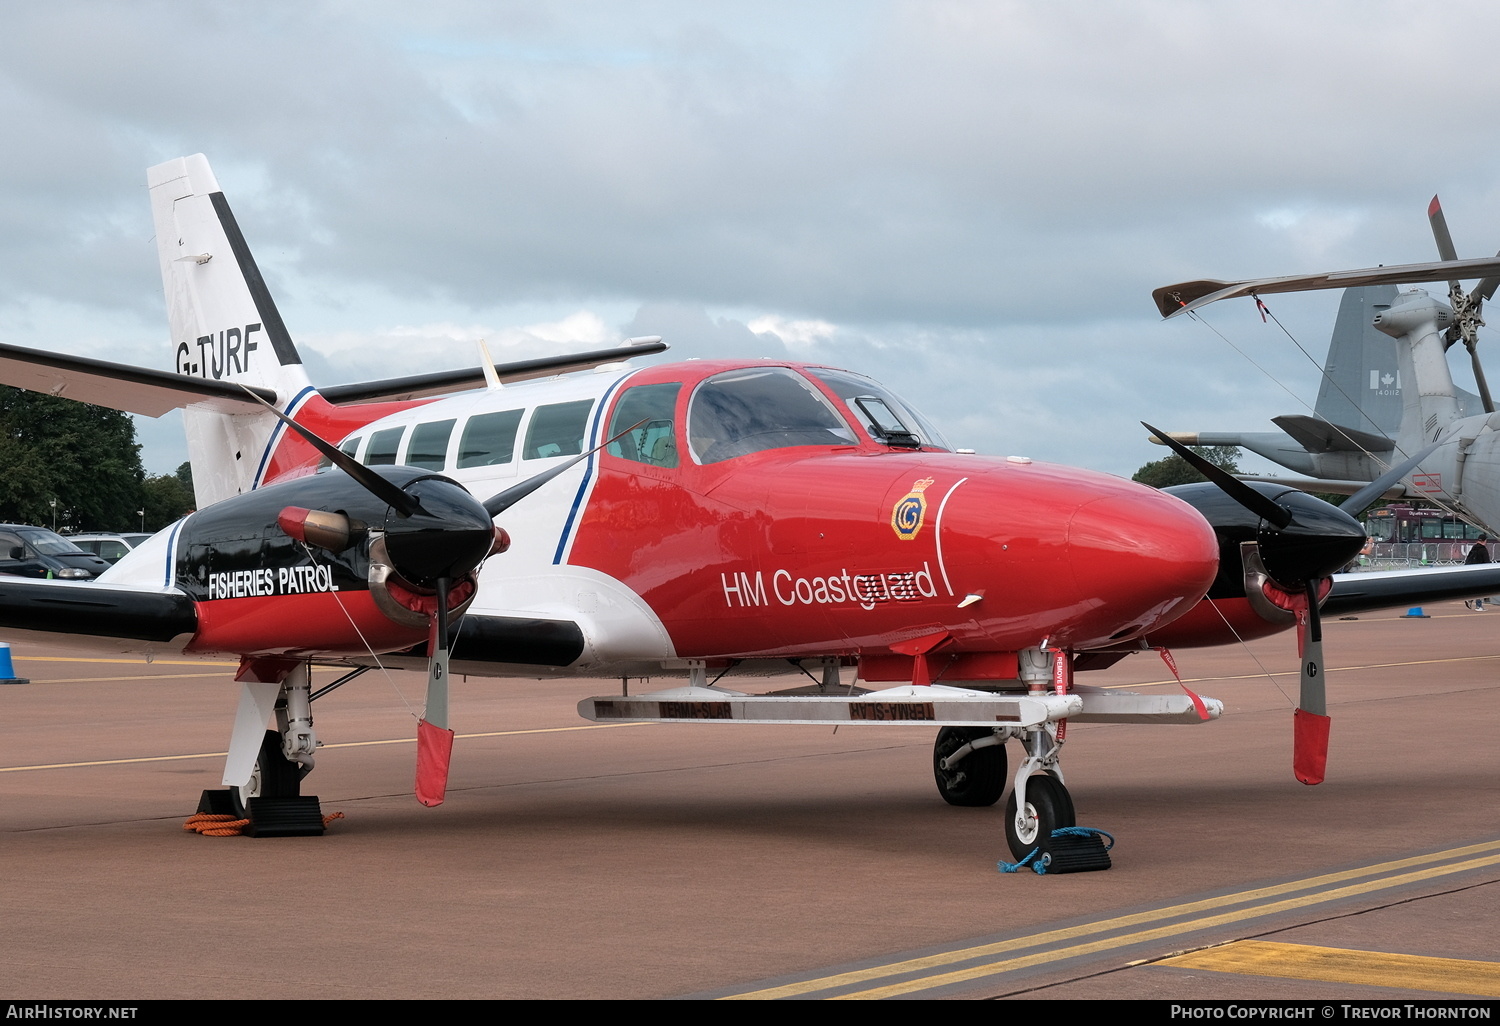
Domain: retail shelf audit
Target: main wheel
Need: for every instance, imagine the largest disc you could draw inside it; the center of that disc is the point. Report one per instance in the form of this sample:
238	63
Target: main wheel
1048	807
273	777
975	780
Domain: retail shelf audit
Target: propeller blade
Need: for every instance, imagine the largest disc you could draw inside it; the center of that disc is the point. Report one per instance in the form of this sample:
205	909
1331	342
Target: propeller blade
1355	504
1233	487
372	482
502	501
434	739
1486	288
1310	722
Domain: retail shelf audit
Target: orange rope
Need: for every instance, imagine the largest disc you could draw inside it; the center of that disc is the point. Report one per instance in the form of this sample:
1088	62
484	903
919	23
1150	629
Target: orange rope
220	825
215	825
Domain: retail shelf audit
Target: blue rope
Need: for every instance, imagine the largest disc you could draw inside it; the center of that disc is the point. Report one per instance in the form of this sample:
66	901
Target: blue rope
1015	867
1077	831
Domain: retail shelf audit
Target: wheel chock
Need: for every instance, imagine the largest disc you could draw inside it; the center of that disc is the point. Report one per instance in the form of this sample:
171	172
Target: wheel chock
216	803
7	671
1415	613
269	817
284	817
1078	850
1068	850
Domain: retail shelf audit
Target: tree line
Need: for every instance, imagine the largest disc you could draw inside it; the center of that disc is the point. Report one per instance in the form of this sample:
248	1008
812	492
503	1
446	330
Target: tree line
79	466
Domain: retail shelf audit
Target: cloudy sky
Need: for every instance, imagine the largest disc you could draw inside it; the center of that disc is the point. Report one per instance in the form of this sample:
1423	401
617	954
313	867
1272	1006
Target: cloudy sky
969	201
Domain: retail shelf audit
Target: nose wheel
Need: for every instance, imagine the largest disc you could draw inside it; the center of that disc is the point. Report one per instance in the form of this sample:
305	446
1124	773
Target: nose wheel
1047	807
968	764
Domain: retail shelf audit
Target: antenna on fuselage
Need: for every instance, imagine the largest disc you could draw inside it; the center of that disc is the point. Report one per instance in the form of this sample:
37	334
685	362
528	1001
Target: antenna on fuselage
491	377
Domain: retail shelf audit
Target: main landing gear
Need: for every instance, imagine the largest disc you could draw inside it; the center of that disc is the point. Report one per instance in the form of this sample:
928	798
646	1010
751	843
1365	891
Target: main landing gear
275	776
264	771
969	764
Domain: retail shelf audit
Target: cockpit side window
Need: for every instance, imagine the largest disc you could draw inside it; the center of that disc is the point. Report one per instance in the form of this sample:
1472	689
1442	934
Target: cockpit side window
745	411
885	417
653	442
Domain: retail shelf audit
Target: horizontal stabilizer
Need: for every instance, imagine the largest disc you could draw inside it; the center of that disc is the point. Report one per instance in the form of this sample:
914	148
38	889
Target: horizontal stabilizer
1329	487
1186	296
1317	435
150	393
419	386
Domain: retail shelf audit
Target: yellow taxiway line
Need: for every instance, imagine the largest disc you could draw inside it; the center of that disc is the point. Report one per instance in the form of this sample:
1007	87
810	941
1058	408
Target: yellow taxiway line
343	744
1058	945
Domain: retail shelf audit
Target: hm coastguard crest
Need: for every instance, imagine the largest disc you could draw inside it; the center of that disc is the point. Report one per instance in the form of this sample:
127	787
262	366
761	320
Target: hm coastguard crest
910	510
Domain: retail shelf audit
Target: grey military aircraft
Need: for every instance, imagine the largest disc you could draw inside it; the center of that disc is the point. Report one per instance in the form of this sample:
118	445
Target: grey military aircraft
1387	392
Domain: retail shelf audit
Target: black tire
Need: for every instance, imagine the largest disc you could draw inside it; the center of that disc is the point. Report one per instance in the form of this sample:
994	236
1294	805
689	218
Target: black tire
979	777
274	777
1049	807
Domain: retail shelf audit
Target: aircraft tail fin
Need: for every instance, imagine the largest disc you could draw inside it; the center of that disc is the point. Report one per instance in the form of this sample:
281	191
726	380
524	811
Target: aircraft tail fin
225	327
1361	387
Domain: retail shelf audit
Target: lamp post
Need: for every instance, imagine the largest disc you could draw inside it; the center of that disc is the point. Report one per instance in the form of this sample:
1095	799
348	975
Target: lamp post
143	520
53	504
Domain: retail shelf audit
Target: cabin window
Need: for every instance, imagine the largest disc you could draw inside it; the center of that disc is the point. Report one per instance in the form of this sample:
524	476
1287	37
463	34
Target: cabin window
653	441
383	446
557	430
745	411
429	445
489	439
350	448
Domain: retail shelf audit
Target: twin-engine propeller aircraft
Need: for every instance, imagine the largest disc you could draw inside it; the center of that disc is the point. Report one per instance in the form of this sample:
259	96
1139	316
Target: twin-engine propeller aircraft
685	519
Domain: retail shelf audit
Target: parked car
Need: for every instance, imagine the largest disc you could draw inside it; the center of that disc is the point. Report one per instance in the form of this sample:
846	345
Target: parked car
108	546
36	552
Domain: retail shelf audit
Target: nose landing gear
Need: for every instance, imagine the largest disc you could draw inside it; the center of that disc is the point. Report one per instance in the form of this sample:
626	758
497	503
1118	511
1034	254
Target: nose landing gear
968	764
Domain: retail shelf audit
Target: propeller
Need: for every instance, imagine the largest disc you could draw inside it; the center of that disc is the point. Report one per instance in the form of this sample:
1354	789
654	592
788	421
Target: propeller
1300	541
436	534
1467	307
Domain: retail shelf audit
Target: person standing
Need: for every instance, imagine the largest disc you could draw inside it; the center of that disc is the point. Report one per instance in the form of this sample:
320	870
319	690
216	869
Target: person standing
1479	553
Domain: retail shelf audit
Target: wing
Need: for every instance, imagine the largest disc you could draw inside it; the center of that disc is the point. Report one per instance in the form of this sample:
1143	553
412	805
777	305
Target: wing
1363	592
110	613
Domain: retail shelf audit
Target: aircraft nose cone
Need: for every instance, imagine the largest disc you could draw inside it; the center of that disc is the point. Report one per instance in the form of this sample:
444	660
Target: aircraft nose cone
448	537
1147	556
1319	541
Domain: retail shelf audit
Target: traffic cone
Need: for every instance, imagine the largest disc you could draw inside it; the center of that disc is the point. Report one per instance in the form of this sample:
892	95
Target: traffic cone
7	671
